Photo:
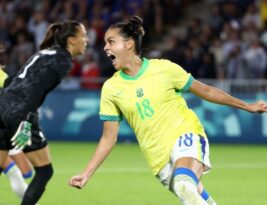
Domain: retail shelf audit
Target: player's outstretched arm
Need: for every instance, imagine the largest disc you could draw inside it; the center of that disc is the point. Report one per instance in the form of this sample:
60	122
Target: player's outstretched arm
218	96
107	141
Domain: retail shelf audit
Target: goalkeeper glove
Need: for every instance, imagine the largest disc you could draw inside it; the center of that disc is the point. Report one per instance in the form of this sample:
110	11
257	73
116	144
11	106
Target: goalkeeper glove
22	136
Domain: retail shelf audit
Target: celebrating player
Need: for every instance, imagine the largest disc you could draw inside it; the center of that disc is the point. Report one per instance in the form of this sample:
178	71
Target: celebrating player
170	135
26	92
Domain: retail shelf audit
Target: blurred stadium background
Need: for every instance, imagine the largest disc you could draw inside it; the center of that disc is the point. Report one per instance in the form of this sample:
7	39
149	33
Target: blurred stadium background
221	42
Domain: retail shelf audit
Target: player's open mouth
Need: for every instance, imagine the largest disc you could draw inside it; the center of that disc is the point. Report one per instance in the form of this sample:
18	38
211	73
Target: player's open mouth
113	58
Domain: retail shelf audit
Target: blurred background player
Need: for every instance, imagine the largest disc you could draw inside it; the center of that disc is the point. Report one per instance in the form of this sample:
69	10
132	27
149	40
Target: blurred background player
16	167
170	135
27	91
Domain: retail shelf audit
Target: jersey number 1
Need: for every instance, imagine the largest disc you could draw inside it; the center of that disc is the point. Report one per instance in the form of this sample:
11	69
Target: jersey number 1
23	74
43	52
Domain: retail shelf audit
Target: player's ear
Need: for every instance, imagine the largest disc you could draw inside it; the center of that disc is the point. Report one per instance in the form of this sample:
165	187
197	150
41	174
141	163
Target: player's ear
129	44
71	41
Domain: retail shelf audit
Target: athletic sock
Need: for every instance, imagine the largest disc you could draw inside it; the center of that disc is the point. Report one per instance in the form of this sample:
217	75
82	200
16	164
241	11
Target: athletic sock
16	180
205	195
37	186
185	187
27	175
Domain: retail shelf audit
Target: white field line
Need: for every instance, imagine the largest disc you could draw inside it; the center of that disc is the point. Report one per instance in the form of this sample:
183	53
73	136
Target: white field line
147	170
108	170
241	165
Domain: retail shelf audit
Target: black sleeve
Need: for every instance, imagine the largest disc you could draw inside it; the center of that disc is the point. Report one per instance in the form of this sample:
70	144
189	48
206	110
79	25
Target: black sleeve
8	80
62	66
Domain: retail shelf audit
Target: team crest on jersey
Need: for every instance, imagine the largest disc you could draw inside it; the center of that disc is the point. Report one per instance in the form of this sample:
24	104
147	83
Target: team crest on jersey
139	92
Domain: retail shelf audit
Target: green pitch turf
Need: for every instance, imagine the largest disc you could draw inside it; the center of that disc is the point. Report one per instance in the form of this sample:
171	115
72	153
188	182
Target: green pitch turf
238	177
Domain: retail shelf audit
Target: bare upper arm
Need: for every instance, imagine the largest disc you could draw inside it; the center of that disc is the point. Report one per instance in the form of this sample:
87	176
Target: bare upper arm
111	129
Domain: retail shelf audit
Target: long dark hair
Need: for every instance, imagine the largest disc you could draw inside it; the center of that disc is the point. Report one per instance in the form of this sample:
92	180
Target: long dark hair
58	33
132	29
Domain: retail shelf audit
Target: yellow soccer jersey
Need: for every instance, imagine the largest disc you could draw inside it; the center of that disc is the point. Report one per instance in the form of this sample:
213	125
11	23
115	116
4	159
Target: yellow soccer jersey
3	77
151	106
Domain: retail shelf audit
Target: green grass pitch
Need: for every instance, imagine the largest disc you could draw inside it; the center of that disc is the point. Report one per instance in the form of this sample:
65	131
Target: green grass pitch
239	176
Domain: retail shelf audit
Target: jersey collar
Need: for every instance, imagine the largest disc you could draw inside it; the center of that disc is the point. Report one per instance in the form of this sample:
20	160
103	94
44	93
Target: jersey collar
140	72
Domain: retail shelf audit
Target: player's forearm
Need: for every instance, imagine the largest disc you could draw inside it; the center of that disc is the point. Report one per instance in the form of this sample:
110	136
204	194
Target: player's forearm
218	96
215	95
102	151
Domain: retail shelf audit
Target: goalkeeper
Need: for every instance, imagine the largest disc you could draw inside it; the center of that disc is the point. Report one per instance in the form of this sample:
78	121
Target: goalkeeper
26	92
31	134
16	167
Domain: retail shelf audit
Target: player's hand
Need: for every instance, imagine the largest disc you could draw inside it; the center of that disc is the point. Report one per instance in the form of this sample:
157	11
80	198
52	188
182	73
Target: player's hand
22	136
258	107
78	181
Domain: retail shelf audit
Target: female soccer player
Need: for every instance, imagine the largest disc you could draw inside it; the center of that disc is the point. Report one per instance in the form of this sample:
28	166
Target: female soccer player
26	92
16	167
16	171
169	134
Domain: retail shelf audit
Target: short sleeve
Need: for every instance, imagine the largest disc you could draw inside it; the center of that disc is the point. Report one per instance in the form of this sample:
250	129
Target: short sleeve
109	111
179	78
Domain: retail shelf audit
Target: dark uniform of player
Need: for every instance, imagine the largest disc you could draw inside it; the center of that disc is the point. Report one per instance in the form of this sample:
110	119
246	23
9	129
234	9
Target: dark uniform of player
26	92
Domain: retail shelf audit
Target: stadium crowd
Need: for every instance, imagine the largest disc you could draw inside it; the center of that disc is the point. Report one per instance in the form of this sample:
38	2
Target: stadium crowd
230	44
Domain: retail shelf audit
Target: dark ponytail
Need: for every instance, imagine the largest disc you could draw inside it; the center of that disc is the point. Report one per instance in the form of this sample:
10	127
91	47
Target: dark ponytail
58	33
132	29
